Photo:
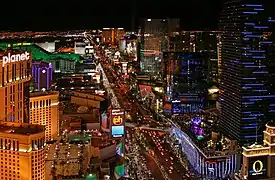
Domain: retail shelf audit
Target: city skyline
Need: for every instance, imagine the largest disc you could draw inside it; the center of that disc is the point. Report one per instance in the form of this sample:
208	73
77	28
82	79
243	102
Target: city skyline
60	16
137	90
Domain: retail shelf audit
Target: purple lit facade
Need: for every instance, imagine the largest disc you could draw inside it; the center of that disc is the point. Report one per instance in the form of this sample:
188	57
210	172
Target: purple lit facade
195	126
42	74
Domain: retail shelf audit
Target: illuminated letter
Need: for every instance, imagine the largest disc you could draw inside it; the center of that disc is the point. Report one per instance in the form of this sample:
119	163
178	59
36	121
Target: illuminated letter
5	60
261	166
27	55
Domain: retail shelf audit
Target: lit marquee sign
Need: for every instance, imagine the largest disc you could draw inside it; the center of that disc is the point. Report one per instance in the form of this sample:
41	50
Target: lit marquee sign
258	166
10	58
117	117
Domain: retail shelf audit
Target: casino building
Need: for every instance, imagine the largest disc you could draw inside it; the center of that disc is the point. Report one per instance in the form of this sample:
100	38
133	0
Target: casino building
42	73
44	110
22	153
14	79
259	160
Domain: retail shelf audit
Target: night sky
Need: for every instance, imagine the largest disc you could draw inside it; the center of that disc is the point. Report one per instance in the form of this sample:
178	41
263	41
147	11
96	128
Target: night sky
40	16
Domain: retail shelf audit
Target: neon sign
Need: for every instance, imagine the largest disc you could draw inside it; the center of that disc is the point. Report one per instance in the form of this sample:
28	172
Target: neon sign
117	120
258	169
10	58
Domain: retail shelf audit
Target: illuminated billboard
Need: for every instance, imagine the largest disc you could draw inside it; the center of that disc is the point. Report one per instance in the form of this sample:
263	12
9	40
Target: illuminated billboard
117	119
257	167
104	122
10	58
145	90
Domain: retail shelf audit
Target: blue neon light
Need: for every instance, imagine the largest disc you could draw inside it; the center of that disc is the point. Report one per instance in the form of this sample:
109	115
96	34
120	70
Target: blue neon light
249	127
255	99
254	5
248	103
246	32
248	118
254	84
248	78
260	72
266	42
261	90
258	9
249	137
256	115
261	27
258	57
254	66
255	36
256	51
250	12
249	23
271	20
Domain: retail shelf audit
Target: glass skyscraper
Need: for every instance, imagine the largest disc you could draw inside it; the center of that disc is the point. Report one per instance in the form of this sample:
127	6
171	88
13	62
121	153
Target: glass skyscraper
247	76
185	82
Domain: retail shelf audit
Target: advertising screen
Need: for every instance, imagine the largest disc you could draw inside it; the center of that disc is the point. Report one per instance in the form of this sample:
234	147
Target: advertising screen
145	90
257	167
117	119
104	121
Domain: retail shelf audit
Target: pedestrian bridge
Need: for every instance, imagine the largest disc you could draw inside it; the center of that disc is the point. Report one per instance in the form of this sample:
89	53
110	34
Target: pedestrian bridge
127	124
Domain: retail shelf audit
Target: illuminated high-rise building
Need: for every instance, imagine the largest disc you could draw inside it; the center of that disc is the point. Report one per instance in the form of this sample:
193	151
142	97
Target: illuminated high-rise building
247	71
44	110
22	153
42	75
14	87
112	35
153	39
185	77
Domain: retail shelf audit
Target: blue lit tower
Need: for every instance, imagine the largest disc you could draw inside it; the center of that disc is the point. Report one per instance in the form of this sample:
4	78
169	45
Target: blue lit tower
247	94
185	82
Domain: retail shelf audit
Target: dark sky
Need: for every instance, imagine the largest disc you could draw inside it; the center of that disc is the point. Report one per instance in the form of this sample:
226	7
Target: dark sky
79	14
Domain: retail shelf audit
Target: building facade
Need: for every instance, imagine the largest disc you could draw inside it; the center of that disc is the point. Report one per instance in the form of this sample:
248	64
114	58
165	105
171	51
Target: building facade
247	71
44	110
112	35
42	75
15	78
62	65
185	82
259	160
153	36
22	151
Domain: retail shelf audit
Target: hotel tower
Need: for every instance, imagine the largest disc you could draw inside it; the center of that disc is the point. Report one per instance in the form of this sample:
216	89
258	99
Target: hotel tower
247	71
22	153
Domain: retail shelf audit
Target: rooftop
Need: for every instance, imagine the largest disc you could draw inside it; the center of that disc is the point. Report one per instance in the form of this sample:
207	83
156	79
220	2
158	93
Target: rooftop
12	51
18	128
200	129
41	62
256	146
46	93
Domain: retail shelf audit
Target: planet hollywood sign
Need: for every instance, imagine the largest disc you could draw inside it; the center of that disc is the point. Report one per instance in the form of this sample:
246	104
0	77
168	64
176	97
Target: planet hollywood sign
10	58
